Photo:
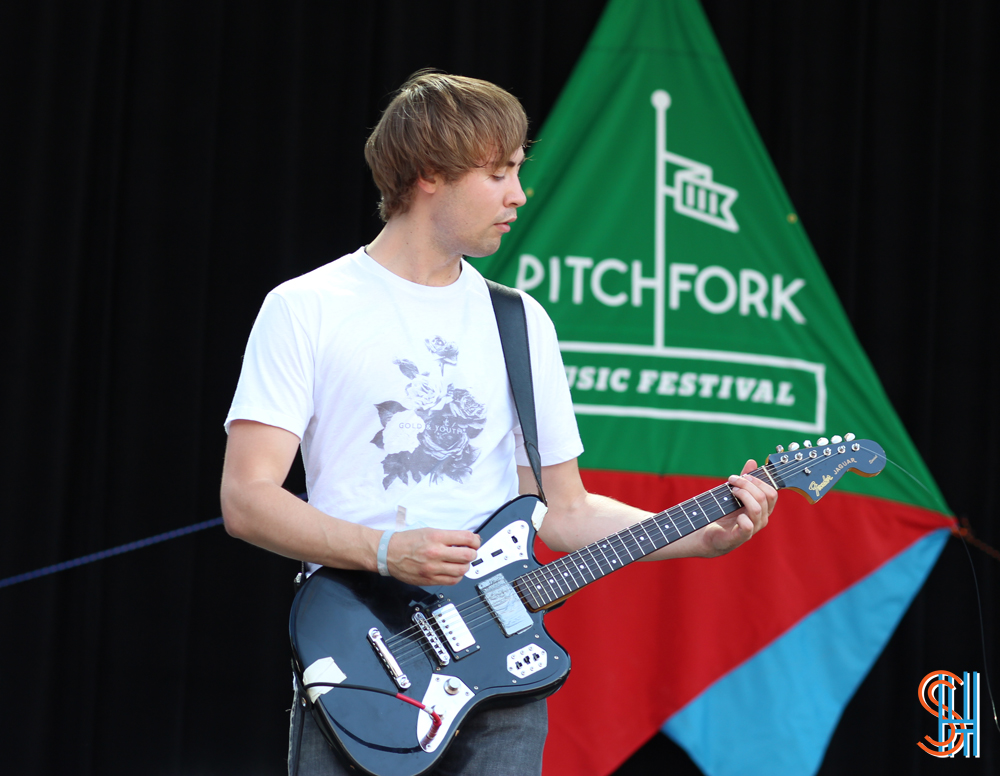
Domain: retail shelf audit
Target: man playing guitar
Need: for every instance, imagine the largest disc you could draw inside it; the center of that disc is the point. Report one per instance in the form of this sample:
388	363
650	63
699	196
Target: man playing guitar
385	366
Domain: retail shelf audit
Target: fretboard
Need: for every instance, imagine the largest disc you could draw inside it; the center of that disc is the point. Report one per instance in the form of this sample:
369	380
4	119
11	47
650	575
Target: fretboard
547	584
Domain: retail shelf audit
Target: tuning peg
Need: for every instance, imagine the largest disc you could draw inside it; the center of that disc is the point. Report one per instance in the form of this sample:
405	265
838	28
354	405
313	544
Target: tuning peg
822	441
807	443
849	437
793	446
836	440
780	449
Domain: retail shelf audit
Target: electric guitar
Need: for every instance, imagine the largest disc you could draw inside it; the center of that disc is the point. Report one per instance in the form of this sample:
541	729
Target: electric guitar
392	669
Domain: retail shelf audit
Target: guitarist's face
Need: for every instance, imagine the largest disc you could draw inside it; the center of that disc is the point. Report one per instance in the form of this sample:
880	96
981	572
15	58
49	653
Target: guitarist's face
469	216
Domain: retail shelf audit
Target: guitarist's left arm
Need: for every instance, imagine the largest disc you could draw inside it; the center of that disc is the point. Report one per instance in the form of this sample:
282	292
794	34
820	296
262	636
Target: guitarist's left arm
577	518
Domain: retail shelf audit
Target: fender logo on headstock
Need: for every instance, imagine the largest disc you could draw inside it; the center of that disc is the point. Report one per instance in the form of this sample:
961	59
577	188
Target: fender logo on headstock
816	487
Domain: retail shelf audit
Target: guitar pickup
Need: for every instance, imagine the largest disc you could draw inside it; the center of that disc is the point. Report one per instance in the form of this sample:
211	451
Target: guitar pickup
505	604
455	631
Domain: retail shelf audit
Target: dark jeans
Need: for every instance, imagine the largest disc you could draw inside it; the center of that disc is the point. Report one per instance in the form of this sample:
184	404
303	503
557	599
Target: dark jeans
500	741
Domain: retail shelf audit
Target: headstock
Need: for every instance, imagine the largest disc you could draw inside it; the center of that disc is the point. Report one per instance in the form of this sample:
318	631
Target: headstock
813	469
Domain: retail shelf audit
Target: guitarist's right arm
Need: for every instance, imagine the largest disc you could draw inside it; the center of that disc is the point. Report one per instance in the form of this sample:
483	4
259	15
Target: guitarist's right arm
257	509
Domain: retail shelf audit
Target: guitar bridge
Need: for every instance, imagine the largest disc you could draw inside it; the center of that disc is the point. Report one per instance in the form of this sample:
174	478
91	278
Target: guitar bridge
424	624
375	639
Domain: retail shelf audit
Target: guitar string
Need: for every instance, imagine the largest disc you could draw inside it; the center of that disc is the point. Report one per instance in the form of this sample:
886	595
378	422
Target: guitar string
466	608
567	577
573	578
478	612
464	611
616	542
474	613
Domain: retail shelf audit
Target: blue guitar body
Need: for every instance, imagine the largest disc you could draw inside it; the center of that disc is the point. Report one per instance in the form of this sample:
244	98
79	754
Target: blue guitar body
505	655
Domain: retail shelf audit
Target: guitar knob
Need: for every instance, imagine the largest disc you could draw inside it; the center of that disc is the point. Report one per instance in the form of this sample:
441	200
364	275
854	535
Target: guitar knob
452	686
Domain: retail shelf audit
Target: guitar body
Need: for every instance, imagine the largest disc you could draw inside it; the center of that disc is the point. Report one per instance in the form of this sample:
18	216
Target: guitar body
497	650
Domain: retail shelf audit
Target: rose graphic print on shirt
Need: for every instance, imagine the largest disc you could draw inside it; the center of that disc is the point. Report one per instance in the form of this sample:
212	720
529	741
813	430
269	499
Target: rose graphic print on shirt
427	432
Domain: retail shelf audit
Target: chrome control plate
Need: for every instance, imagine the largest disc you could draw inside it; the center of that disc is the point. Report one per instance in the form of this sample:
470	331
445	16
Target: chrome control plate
527	661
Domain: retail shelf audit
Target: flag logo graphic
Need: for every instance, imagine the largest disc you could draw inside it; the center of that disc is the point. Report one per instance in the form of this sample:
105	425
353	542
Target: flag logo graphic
694	192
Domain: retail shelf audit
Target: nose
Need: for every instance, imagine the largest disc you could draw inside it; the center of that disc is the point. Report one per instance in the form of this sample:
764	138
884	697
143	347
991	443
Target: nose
516	197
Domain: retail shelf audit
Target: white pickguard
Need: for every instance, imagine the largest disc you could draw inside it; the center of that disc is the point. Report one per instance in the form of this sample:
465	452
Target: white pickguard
507	546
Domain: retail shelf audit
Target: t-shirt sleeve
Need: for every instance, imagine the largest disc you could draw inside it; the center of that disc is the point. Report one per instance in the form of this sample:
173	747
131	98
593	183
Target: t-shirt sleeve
558	435
276	381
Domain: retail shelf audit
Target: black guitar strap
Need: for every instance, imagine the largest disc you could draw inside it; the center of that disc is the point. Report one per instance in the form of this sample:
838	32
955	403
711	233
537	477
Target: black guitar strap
513	325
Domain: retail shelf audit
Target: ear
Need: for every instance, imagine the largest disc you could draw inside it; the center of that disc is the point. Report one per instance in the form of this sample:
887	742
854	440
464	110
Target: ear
429	182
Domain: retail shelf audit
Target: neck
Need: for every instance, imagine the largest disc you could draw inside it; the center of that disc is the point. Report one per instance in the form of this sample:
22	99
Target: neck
403	249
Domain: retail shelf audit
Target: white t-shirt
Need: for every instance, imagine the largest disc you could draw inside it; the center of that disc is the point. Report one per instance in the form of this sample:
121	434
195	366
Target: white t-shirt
399	393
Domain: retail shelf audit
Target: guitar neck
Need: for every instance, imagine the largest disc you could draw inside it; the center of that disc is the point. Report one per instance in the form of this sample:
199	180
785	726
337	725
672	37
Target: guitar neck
546	585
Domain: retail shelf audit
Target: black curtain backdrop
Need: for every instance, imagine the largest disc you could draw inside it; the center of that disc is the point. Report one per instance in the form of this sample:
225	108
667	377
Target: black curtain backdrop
164	164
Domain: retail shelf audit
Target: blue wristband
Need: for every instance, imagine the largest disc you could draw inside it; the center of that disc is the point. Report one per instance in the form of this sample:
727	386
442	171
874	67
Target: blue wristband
383	549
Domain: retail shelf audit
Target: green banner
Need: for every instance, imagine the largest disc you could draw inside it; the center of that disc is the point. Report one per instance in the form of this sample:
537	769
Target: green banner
697	324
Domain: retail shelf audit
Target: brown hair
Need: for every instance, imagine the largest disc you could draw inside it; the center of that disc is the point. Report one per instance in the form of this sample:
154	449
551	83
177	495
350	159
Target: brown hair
441	124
